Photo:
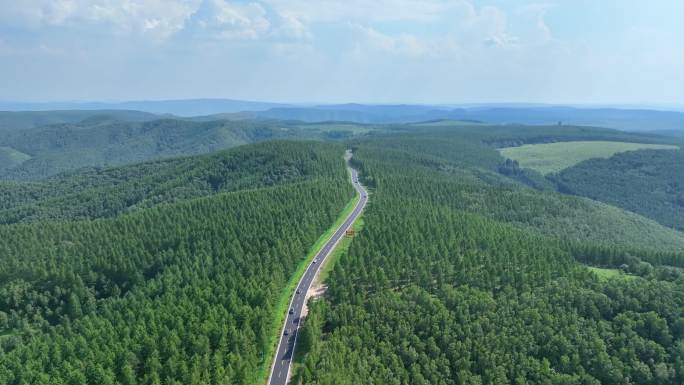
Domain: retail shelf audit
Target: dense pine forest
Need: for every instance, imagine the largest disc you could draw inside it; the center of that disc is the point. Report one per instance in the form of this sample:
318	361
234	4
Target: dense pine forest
469	269
104	192
650	183
457	170
179	293
451	284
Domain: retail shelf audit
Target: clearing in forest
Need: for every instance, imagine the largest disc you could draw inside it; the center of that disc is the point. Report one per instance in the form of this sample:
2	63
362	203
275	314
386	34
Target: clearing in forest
550	158
607	273
10	157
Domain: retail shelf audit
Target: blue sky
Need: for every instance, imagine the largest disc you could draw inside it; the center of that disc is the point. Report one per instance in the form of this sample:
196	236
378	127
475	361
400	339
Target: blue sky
383	51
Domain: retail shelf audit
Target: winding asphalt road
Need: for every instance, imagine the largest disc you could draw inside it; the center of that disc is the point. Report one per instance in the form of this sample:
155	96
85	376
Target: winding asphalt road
282	361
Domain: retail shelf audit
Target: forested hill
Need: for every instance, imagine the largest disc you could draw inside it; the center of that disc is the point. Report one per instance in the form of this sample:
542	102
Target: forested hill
35	145
100	141
641	173
102	192
12	121
461	170
460	277
180	293
468	270
647	182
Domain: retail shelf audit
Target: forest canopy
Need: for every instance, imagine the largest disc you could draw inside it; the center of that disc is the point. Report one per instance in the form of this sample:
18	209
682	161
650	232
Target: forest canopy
469	269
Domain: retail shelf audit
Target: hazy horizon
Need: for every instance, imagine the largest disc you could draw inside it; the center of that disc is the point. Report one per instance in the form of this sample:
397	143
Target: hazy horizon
284	103
453	52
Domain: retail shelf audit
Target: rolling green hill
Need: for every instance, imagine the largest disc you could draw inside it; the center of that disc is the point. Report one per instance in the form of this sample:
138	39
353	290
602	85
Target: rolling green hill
650	183
59	148
12	121
460	173
182	292
95	193
641	174
468	269
101	140
462	277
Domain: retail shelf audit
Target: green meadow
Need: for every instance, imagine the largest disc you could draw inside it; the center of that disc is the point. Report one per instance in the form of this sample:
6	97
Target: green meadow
550	158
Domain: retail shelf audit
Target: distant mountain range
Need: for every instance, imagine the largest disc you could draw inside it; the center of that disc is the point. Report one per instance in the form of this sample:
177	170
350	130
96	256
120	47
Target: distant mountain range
623	119
212	109
182	107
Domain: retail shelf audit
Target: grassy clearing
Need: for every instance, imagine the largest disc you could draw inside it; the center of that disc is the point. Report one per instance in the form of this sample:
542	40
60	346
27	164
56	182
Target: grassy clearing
10	157
550	158
286	294
604	273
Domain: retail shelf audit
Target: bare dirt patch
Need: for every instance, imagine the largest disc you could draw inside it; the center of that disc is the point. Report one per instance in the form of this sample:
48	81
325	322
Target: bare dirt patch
316	290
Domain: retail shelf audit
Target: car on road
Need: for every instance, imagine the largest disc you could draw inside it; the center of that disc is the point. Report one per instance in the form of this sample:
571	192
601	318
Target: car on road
299	291
291	310
287	332
315	260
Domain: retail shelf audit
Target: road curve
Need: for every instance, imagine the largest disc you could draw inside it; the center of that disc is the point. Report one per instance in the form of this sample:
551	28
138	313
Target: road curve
282	361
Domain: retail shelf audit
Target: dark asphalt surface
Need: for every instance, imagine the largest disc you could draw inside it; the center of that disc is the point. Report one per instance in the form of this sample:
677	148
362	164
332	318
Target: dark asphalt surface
286	346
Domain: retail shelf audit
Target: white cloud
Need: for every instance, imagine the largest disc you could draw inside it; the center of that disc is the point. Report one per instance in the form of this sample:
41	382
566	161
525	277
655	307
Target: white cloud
531	24
222	20
369	38
290	26
156	18
378	49
238	21
59	10
281	20
501	40
364	11
461	30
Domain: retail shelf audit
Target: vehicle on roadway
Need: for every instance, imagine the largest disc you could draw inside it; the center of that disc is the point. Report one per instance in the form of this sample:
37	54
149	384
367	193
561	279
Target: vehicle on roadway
280	368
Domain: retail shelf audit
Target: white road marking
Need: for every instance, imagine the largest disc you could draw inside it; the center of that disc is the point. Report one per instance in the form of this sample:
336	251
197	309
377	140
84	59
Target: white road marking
313	269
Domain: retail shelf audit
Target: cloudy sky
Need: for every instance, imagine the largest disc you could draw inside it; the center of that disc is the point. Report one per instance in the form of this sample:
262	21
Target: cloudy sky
383	51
